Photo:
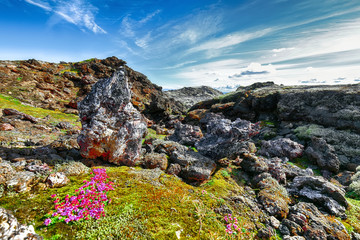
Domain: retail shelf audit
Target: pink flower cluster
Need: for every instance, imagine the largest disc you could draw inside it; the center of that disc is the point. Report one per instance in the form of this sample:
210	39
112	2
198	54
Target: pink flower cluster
232	225
88	202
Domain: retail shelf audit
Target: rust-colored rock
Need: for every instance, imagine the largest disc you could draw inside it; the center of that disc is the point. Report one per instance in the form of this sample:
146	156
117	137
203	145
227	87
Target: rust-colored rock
6	127
112	129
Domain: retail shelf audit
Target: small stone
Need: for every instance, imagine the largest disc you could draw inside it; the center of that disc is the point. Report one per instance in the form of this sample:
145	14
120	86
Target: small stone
274	222
155	160
174	169
56	180
6	127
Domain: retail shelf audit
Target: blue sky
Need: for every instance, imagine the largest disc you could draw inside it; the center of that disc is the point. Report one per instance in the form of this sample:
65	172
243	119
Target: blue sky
219	43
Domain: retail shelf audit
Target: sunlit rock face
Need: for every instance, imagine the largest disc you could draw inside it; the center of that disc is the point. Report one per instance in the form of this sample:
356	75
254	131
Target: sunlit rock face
112	129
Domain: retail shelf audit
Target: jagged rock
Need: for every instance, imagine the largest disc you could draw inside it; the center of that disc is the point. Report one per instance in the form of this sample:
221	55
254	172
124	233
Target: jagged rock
111	127
72	168
21	182
186	134
283	147
6	127
57	179
344	178
306	220
345	143
276	169
253	164
321	192
11	229
194	166
191	95
225	138
13	112
273	197
323	154
155	160
168	147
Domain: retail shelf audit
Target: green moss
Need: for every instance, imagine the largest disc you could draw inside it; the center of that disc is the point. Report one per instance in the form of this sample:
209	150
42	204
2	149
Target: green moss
353	213
152	134
71	70
158	208
57	116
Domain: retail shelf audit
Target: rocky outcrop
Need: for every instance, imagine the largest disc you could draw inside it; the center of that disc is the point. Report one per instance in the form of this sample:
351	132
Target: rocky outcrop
345	143
323	154
112	128
306	220
283	147
11	229
190	165
186	134
321	192
61	86
191	95
225	138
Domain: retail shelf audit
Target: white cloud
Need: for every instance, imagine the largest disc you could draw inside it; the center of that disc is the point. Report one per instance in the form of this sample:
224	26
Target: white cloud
40	4
229	40
149	16
77	12
279	50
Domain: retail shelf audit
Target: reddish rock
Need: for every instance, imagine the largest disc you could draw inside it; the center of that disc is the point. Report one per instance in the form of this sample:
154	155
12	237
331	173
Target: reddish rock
6	127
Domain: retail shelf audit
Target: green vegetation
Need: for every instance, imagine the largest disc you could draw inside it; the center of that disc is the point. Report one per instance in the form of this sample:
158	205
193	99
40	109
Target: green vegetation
57	116
72	70
141	208
152	134
88	60
353	213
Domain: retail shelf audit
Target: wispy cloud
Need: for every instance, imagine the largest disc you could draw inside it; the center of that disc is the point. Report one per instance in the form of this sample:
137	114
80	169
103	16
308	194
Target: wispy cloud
43	5
77	12
229	40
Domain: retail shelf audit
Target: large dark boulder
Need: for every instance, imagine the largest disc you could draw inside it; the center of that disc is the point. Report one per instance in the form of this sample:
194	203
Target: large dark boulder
226	138
112	129
321	192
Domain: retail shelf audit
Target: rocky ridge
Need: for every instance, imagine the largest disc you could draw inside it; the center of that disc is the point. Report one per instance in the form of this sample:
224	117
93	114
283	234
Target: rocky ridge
189	96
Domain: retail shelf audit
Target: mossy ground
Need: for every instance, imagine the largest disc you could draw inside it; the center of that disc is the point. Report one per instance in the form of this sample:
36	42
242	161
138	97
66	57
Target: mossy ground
56	116
141	208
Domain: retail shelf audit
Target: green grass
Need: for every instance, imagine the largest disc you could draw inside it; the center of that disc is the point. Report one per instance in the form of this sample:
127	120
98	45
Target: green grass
152	134
57	116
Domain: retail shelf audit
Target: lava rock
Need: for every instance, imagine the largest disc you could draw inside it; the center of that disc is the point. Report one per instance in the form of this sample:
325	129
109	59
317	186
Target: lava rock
112	128
323	154
321	192
225	138
283	147
186	134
